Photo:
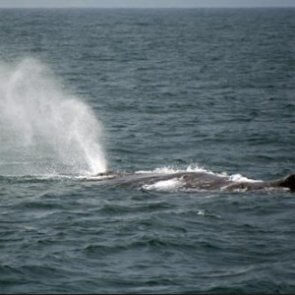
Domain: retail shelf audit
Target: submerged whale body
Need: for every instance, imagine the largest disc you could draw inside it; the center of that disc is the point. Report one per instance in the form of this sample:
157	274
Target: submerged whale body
201	181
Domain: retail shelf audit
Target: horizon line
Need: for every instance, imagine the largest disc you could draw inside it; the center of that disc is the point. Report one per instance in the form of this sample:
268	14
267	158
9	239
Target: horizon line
138	7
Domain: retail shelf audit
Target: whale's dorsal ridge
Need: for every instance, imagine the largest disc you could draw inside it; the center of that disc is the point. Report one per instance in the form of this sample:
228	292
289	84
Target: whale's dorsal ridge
196	180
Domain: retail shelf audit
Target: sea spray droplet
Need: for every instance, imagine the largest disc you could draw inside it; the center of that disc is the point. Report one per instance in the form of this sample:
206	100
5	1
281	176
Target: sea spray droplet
43	129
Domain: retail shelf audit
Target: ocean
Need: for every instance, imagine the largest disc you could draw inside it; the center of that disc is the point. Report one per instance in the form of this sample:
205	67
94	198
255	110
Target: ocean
85	91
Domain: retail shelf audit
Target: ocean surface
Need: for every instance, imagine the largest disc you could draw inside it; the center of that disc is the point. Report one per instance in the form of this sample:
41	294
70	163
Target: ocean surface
87	91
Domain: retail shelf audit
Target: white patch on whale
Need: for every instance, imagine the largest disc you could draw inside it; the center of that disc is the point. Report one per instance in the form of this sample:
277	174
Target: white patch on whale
164	185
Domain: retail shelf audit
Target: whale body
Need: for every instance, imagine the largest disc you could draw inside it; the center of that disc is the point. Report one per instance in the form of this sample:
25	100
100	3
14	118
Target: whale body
194	181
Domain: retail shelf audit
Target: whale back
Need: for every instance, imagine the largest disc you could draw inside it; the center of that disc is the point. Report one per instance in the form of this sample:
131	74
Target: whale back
194	181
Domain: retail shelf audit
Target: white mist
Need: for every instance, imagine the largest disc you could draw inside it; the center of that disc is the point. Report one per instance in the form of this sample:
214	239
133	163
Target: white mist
43	129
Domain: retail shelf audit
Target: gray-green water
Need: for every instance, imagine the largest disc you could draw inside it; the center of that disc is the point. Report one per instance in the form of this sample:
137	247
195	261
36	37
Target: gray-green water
173	89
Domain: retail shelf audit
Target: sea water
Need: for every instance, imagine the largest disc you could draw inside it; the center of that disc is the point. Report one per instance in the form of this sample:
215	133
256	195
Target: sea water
87	91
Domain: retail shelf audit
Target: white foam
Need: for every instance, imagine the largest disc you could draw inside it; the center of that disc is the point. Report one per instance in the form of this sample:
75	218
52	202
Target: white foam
194	168
164	185
173	170
241	178
161	170
201	212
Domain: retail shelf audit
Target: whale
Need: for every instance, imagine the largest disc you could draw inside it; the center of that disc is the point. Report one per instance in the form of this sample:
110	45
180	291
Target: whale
198	181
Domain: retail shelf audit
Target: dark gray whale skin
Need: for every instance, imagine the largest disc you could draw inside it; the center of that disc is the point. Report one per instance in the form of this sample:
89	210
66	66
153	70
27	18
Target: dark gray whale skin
196	181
